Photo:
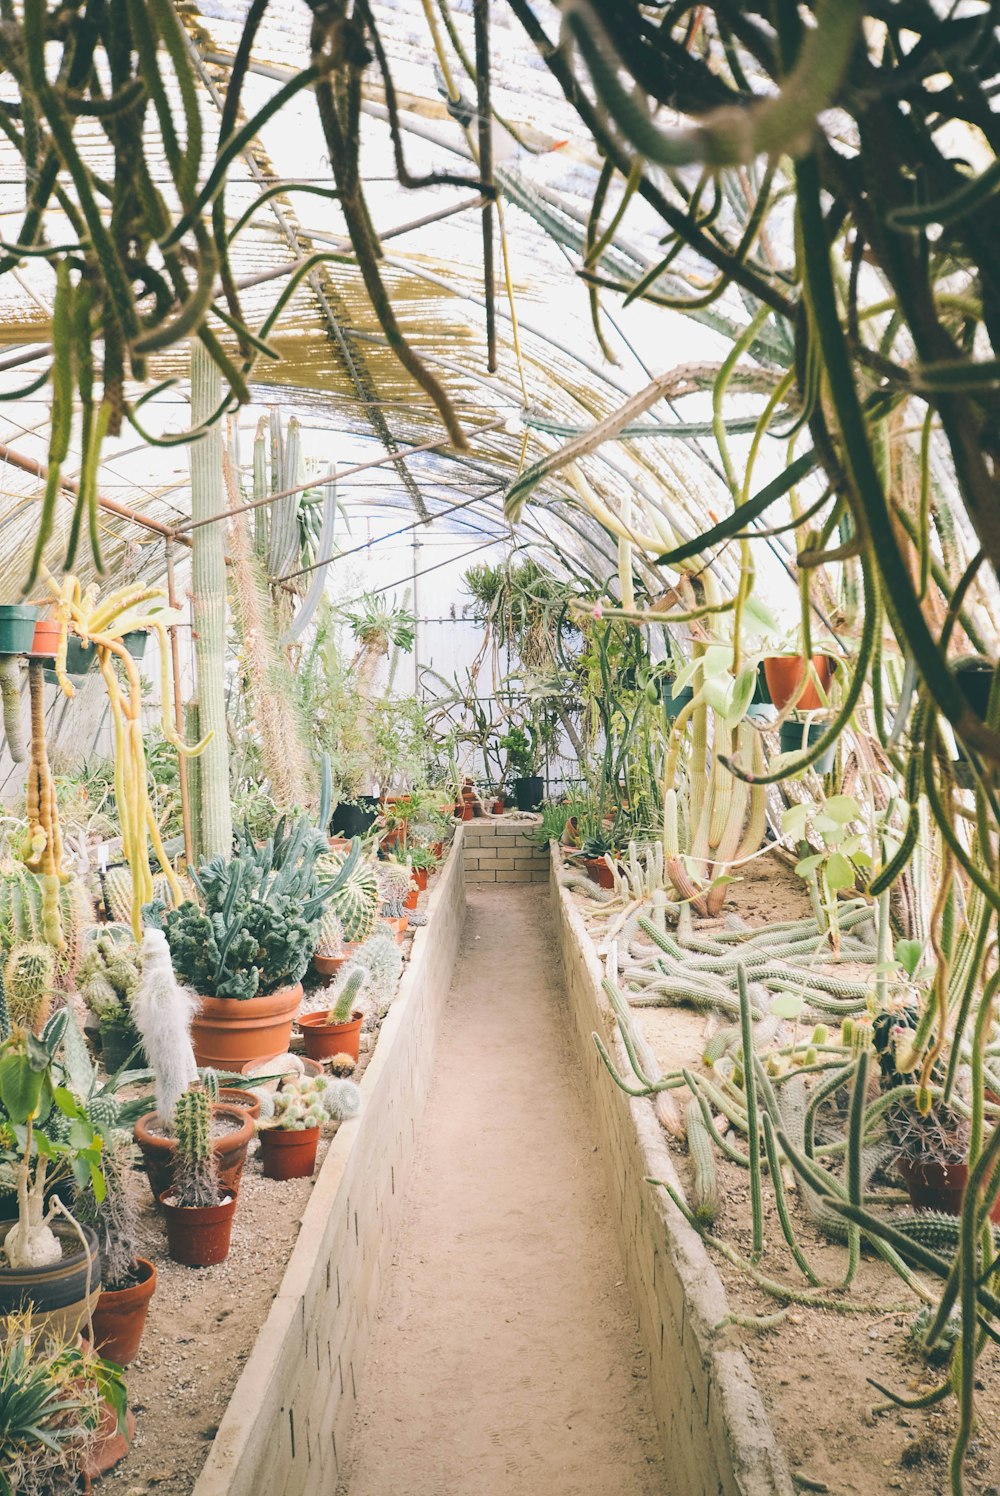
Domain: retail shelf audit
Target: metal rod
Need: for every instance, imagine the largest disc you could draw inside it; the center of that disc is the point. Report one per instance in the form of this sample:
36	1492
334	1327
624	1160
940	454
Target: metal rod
175	662
40	470
362	467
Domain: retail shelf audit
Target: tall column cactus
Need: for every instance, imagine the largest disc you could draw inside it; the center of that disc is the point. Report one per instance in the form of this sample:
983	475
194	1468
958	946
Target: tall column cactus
208	588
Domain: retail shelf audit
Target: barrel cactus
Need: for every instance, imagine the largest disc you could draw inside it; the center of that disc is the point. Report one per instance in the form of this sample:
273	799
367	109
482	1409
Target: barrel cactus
354	906
28	979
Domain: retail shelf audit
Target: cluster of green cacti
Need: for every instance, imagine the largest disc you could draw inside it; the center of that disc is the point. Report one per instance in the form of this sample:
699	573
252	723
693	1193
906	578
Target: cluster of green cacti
117	892
109	974
28	980
195	1165
299	1103
394	881
381	962
22	917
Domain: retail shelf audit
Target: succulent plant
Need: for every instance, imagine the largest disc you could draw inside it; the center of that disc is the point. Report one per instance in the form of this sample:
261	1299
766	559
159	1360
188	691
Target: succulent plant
196	1176
22	917
354	904
342	1066
300	1103
382	958
28	978
109	974
353	981
113	1218
341	1099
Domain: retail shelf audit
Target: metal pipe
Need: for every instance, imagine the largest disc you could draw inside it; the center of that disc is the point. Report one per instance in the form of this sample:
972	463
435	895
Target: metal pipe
40	470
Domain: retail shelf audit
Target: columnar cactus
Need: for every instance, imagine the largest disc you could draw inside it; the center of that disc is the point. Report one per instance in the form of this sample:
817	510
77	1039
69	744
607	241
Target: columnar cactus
196	1181
349	991
28	978
383	960
10	692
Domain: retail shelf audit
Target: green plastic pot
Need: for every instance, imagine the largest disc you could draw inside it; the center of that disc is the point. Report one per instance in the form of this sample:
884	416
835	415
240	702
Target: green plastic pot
17	628
135	642
795	736
674	705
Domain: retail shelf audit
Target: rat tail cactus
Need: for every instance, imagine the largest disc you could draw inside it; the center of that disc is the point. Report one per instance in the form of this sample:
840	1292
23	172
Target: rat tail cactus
28	979
196	1178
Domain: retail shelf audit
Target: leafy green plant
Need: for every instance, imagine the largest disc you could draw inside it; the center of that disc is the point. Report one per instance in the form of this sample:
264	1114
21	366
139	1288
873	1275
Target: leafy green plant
832	870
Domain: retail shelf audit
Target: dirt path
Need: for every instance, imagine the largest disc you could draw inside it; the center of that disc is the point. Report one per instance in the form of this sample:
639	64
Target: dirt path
506	1360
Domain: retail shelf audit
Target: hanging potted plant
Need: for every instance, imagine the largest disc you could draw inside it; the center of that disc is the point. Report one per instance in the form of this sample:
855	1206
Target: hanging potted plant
337	1029
288	1142
163	1015
244	948
784	673
198	1211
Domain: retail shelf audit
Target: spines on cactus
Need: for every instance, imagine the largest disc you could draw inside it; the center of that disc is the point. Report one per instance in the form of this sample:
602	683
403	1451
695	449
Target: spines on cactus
341	1099
300	1103
28	979
354	980
196	1182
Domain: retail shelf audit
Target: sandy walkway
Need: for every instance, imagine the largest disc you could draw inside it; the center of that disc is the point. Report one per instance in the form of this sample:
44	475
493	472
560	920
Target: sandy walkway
506	1361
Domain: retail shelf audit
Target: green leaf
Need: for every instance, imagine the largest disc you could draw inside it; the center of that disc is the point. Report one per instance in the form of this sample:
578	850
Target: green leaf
808	864
839	873
716	693
787	1005
842	808
685	676
793	821
716	661
20	1086
757	612
741	696
908	954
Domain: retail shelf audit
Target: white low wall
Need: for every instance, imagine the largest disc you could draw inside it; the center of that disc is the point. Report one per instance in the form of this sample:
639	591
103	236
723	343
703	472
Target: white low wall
712	1421
286	1426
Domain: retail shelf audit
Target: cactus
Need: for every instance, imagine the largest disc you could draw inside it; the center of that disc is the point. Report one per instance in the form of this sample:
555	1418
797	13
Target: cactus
342	1066
21	918
331	935
354	981
355	905
300	1103
28	979
383	960
705	1189
196	1176
4	1011
103	1111
341	1099
109	975
162	1013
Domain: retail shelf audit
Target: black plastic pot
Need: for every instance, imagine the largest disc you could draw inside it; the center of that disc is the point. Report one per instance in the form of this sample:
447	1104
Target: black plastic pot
795	736
135	643
17	628
59	1290
976	680
529	792
118	1042
356	818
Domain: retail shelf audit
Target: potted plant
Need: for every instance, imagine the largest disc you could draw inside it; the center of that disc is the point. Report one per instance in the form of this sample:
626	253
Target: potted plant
163	1015
128	1281
197	1209
354	817
245	946
350	914
337	1029
422	864
288	1142
523	762
784	672
594	850
394	885
59	1403
42	1262
17	628
107	979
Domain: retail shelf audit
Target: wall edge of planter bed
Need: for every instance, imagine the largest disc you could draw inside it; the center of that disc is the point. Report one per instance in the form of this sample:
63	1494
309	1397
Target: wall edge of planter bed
286	1425
711	1416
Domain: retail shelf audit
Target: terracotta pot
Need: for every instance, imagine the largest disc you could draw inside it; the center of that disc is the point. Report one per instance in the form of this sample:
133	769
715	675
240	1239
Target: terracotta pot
498	806
420	878
45	640
467	810
288	1154
230	1150
120	1316
599	872
323	1040
17	627
783	673
438	849
398	927
393	838
243	1101
198	1236
328	966
410	902
111	1446
934	1186
339	843
227	1034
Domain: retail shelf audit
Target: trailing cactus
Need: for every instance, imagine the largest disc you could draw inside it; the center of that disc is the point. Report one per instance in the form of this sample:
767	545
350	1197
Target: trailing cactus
705	1189
4	1011
196	1179
28	978
10	694
300	1103
348	993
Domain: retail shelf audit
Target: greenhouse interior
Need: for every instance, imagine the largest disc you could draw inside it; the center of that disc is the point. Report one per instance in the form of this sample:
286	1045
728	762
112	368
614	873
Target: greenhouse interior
500	770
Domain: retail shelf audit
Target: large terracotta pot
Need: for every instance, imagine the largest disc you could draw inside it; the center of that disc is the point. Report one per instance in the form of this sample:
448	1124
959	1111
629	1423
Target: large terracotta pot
230	1150
783	673
323	1040
198	1236
228	1034
120	1316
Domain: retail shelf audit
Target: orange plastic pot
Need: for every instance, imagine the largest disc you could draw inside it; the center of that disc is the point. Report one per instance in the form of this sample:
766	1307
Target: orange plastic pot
467	810
783	673
227	1034
420	878
328	966
398	927
288	1154
45	643
230	1150
323	1040
198	1236
120	1316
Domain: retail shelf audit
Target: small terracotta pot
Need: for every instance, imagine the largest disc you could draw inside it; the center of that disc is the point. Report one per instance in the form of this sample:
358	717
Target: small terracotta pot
230	1150
498	806
467	810
227	1033
45	641
328	966
288	1154
198	1236
420	878
120	1316
393	838
111	1447
783	673
410	902
339	843
323	1040
244	1101
934	1186
438	849
599	872
398	927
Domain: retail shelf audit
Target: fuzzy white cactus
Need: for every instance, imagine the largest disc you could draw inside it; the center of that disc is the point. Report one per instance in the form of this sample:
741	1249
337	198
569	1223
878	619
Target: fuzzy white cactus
162	1011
